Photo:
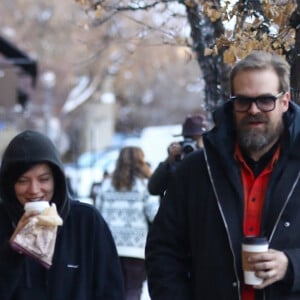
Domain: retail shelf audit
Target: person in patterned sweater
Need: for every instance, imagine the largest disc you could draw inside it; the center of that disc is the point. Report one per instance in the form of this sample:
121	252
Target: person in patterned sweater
126	205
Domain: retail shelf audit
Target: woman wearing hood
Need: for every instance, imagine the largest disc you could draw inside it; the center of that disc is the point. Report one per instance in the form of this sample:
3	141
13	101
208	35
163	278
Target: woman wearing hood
85	264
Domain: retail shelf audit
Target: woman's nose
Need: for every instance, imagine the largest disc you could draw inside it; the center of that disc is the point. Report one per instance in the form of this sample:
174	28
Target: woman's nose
34	187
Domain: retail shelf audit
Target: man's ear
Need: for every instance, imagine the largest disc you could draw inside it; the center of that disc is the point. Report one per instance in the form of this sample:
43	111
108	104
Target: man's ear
285	100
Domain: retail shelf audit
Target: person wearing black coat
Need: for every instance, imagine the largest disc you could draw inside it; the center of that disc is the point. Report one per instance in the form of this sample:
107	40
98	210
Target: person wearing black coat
85	263
192	129
244	182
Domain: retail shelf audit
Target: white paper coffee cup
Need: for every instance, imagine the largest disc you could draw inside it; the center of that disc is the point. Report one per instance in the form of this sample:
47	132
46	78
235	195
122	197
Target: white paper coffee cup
36	206
252	245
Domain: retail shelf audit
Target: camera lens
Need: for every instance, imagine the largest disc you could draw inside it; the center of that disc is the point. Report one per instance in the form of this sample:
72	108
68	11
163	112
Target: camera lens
188	146
188	149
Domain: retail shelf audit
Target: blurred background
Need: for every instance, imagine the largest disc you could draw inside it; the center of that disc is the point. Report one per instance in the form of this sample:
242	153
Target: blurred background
91	89
97	75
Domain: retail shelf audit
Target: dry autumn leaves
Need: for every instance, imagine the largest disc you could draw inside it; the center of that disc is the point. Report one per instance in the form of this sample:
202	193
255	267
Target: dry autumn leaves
248	33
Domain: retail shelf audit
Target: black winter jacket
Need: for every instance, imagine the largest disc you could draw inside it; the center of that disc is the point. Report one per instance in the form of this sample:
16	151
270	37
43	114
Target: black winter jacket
193	249
159	180
85	263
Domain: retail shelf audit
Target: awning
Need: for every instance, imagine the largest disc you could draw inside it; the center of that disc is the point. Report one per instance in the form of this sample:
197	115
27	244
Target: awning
19	58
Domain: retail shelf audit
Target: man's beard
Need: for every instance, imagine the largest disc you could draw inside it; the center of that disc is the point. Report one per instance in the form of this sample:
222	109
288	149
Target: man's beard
256	139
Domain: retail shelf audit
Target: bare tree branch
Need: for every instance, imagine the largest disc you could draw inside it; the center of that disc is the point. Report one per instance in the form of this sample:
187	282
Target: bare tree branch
131	7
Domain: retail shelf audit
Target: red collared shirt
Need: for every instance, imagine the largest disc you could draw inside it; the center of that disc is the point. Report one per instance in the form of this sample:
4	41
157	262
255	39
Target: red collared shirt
254	196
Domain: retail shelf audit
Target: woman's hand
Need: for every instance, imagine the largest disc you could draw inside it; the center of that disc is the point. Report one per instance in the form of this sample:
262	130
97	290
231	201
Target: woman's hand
22	222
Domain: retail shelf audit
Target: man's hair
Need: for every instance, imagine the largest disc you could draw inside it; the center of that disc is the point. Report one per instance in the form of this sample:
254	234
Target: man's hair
261	60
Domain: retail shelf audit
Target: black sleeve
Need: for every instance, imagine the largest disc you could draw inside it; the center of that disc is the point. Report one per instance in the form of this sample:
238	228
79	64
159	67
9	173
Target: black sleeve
168	262
108	273
292	277
160	178
10	270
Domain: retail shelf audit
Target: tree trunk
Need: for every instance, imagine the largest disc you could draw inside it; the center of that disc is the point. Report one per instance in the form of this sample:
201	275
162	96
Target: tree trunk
295	57
204	34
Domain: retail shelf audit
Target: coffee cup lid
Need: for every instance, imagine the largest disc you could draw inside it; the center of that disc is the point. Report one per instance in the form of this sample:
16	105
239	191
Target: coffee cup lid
37	205
255	240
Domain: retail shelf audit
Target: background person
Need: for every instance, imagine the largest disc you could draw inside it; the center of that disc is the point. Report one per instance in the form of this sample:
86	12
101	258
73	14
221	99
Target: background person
245	182
192	129
85	263
127	206
96	186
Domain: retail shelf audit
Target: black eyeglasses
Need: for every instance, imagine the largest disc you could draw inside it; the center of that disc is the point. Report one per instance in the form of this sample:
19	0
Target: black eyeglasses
264	103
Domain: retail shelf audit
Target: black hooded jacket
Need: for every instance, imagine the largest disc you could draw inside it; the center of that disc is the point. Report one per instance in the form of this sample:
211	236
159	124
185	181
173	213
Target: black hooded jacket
193	249
85	262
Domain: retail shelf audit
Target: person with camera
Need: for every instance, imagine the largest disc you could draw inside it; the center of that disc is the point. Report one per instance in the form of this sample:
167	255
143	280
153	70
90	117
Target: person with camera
192	130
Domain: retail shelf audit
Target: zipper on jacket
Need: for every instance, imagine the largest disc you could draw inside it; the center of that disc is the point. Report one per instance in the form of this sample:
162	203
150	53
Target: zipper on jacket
224	221
226	225
283	207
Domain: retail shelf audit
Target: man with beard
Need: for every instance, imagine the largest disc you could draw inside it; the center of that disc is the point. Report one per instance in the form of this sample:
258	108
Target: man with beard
245	182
